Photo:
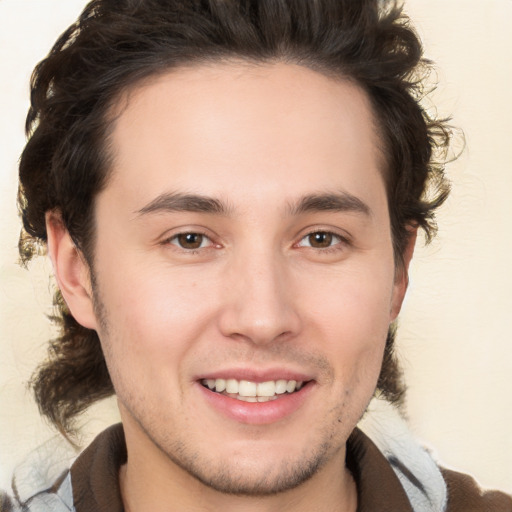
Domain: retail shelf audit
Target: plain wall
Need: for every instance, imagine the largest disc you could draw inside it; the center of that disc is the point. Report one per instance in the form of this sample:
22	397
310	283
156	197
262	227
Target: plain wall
455	328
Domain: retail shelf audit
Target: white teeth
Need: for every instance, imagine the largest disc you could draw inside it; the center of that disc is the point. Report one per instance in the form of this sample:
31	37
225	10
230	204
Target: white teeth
247	398
266	388
231	386
245	389
281	386
290	387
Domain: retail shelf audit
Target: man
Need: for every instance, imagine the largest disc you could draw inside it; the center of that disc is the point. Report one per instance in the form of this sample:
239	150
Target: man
230	194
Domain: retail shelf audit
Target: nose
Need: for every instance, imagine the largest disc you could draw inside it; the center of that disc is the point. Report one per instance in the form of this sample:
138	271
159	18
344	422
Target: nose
260	301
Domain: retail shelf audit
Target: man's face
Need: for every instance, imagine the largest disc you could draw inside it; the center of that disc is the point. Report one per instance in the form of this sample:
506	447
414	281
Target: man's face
244	241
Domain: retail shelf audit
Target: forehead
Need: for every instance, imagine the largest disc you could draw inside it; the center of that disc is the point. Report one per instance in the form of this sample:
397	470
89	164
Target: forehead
245	131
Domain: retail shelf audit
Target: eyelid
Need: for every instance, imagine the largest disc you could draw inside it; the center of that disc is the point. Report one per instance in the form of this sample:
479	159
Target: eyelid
175	238
340	239
168	239
343	239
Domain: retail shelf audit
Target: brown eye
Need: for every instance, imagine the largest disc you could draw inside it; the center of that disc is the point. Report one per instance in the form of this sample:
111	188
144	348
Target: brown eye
320	239
190	240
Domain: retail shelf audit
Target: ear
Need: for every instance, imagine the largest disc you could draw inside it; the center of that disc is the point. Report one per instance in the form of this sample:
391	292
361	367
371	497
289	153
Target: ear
71	271
402	273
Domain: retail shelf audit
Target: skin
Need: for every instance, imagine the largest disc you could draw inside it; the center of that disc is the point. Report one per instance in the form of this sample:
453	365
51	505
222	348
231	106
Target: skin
260	293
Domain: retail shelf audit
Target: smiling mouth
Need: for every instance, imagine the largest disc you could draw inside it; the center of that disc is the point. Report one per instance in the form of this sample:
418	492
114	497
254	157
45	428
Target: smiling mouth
248	391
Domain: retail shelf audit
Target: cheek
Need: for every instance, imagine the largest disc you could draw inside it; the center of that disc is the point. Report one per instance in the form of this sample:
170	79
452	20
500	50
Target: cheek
154	316
353	300
351	311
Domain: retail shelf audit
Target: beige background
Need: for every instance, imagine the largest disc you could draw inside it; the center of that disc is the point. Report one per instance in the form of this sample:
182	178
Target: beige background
455	336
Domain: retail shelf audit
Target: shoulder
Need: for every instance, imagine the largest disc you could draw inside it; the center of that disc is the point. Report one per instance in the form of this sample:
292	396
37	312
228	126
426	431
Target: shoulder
56	497
42	481
464	495
52	476
6	504
427	485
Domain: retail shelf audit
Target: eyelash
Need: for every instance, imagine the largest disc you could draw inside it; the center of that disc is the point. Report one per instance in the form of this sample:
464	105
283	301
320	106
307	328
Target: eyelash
339	245
175	237
333	247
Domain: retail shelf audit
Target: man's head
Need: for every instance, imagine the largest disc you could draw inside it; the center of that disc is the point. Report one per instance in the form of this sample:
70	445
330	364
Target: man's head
269	127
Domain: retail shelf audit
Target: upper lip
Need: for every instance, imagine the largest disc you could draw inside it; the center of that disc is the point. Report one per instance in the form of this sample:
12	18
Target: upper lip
257	375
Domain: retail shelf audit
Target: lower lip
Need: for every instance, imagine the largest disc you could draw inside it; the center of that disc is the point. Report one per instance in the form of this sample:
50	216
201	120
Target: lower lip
257	413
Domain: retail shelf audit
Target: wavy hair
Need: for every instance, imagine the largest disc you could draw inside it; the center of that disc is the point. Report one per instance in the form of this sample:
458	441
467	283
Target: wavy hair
117	43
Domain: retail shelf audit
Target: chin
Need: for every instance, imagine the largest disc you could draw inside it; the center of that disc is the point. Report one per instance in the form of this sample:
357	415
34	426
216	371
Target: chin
257	478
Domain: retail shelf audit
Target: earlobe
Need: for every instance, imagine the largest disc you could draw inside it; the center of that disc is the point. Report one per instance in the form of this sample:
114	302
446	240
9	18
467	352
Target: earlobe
402	277
71	271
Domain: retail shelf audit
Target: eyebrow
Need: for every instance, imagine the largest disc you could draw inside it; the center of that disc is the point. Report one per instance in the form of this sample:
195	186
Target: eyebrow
321	202
177	202
330	202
